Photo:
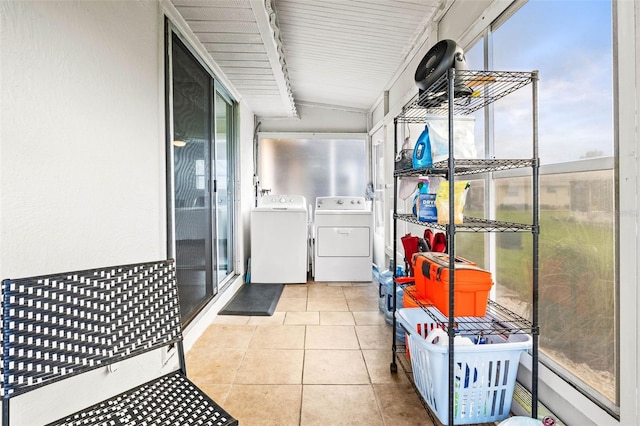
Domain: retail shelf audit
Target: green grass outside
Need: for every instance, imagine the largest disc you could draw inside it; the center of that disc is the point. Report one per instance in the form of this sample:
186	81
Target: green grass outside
576	281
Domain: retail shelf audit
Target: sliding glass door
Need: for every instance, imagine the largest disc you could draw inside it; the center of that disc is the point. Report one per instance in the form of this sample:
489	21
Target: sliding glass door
224	184
200	179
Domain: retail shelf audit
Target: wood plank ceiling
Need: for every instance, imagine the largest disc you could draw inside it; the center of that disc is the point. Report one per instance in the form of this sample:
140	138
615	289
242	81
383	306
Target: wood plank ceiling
339	54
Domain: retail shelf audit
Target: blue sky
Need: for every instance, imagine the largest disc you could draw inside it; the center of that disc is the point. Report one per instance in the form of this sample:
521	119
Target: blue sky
570	43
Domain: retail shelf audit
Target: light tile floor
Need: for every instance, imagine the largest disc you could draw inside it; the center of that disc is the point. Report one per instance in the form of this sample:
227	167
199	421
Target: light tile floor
321	359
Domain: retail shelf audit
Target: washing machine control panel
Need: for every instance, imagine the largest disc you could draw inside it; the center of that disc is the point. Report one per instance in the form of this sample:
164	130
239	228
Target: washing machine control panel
340	203
283	200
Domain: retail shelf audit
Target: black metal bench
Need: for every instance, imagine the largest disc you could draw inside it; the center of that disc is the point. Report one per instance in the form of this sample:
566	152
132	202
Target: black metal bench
58	326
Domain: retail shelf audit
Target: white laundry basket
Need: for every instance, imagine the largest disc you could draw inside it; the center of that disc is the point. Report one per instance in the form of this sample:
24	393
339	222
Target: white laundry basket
485	374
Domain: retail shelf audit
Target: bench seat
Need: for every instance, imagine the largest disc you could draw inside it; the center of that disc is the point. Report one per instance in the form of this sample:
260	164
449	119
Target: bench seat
169	400
62	325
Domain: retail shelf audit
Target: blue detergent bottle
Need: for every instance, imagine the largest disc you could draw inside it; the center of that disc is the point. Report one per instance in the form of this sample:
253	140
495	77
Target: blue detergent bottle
422	151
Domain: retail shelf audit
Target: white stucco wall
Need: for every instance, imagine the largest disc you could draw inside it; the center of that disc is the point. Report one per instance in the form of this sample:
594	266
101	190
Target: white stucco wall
82	153
82	163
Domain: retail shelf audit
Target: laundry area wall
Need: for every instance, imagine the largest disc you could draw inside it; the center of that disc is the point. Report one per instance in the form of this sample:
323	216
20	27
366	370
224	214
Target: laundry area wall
313	165
315	122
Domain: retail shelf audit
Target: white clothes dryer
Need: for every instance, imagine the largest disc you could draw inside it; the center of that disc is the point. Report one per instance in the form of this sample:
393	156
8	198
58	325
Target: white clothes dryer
279	240
343	239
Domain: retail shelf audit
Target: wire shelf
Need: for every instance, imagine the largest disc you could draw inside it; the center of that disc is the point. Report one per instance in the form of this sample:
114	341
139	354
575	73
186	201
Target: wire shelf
498	320
462	93
485	87
466	167
470	224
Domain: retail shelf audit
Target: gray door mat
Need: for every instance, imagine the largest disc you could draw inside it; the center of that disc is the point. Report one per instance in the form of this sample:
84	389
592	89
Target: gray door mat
254	299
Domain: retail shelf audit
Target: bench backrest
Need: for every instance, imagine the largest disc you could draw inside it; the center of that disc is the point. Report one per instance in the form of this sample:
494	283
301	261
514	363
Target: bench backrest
60	325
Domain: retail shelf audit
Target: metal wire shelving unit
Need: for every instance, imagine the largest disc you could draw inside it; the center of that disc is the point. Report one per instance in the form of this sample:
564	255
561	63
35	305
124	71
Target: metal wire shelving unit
445	98
487	86
471	224
497	321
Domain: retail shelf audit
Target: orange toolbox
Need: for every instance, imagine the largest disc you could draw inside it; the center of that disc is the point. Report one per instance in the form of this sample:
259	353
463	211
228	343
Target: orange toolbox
471	287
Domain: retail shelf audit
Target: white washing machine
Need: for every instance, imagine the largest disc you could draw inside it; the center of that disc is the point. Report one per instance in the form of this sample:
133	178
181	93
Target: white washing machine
343	239
280	240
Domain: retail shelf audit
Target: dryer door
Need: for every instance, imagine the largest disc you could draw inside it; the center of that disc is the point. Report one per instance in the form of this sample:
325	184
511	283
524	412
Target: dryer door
342	241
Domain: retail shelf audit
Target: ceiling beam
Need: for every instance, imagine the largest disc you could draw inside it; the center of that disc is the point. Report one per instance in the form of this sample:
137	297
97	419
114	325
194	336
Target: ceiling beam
267	22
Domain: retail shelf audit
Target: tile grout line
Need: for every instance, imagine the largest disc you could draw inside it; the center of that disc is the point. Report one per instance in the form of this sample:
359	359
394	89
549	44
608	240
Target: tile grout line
244	356
304	361
366	366
378	404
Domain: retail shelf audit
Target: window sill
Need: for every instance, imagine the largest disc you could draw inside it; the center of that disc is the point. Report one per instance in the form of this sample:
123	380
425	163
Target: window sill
564	400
